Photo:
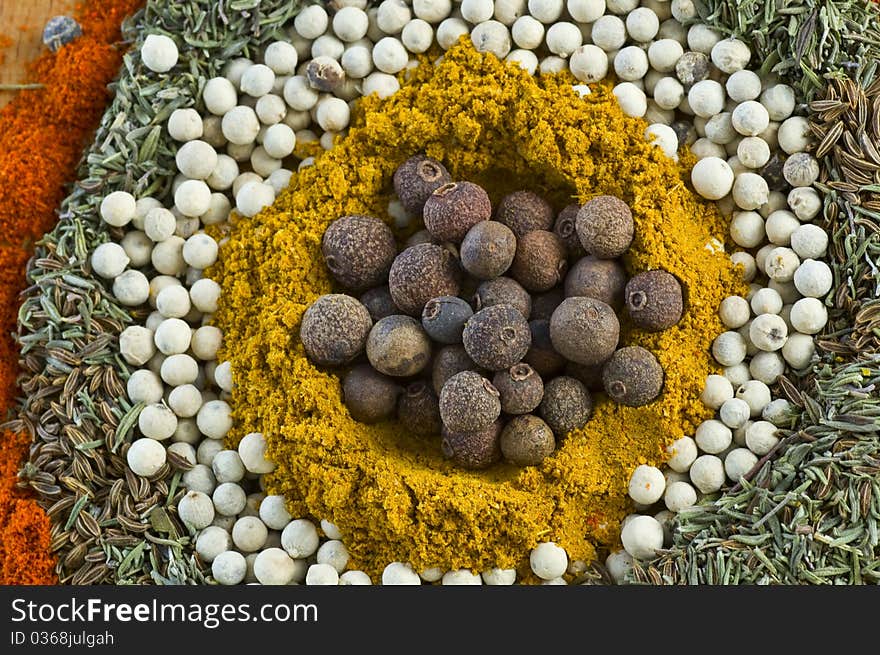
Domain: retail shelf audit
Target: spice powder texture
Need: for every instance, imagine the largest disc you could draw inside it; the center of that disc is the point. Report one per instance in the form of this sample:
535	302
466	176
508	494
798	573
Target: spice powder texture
393	495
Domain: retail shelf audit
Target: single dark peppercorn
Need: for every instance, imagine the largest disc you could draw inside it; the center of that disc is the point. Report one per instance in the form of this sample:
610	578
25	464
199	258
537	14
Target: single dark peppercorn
567	405
524	212
358	251
416	179
488	249
443	318
379	303
692	67
584	330
654	300
541	355
398	346
469	402
497	337
420	273
772	172
324	74
602	279
527	440
521	389
541	261
418	410
685	132
633	376
334	329
449	361
605	227
544	304
473	450
503	291
59	31
369	396
455	208
565	228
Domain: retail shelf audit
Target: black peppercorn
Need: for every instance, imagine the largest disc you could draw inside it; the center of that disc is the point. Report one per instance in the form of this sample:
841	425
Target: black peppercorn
503	291
334	329
602	279
567	405
369	396
520	387
541	355
527	440
450	361
416	179
497	337
468	403
420	273
379	303
443	318
398	346
633	376
584	330
487	250
524	212
565	228
540	262
772	172
418	410
605	227
473	450
654	300
358	251
455	208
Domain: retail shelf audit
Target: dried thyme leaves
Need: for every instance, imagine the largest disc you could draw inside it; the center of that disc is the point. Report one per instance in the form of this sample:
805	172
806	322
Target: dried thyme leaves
109	525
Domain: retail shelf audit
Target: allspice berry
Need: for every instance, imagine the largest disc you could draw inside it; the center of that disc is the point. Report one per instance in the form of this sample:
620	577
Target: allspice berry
358	251
584	330
487	250
418	410
497	337
567	405
455	208
541	355
398	346
369	396
416	179
379	303
420	273
605	227
565	227
654	300
469	403
544	304
503	291
590	375
540	262
520	387
527	440
443	318
602	279
449	361
334	329
473	450
633	376
524	212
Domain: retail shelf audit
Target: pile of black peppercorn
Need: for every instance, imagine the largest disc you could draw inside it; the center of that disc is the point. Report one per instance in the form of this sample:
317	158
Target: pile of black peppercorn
491	330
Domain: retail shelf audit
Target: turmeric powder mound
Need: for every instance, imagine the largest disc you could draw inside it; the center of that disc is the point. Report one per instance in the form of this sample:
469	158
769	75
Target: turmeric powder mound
393	495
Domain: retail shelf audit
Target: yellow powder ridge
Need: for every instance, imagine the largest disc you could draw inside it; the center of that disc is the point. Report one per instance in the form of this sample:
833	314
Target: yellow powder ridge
393	495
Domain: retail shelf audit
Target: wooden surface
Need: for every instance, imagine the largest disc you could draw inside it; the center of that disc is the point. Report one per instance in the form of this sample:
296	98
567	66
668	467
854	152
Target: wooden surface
22	21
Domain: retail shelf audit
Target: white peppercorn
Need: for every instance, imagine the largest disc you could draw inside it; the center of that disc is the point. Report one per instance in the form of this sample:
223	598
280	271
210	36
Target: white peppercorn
145	457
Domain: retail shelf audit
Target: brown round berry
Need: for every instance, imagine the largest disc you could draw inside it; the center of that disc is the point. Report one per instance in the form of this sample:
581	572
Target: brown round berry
602	279
398	346
503	291
455	208
527	440
605	227
420	273
379	303
565	228
541	355
418	410
497	337
416	179
590	375
369	396
473	450
654	300
444	318
358	251
544	304
334	329
487	250
633	376
469	403
584	330
566	406
524	212
521	389
450	361
540	262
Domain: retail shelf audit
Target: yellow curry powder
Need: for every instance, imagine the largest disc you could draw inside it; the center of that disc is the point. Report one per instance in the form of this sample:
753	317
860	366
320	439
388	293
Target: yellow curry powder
393	495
